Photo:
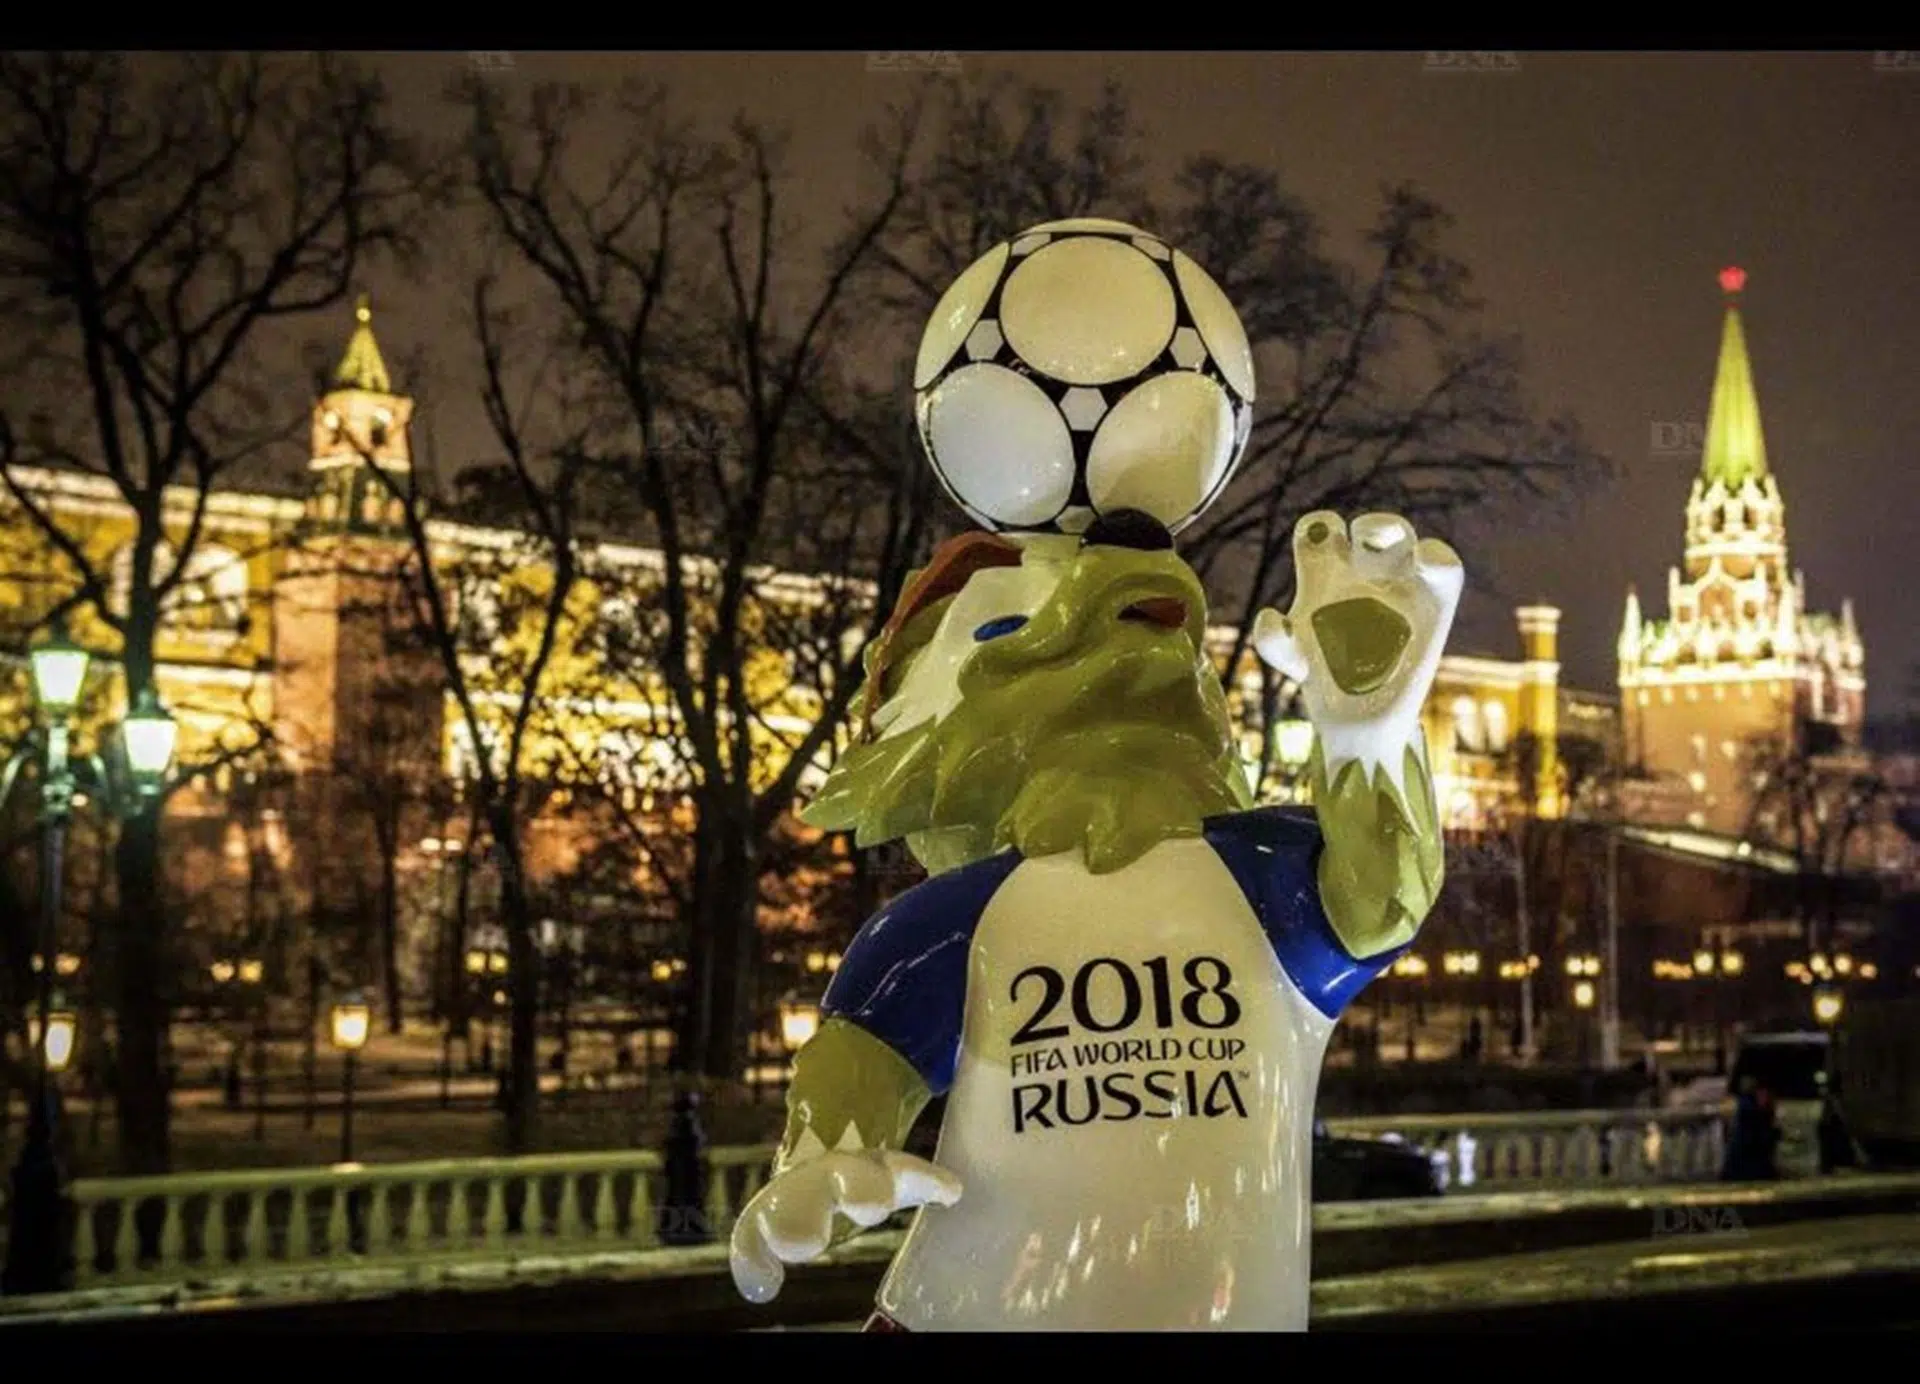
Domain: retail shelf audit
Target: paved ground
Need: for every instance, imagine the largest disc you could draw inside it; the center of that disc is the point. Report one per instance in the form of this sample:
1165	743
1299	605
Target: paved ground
1702	1259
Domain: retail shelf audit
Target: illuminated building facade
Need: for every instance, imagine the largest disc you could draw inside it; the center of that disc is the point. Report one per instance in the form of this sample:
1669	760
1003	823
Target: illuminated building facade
288	624
1739	664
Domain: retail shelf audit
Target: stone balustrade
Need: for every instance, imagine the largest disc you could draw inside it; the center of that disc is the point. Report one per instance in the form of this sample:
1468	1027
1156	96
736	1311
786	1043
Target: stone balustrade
189	1226
1553	1147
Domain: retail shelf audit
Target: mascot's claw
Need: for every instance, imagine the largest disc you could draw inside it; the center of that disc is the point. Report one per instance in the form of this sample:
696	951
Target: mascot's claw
790	1220
1370	617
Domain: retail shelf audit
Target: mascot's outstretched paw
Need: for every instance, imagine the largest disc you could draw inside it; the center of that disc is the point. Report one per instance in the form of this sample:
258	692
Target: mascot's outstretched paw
790	1220
1370	617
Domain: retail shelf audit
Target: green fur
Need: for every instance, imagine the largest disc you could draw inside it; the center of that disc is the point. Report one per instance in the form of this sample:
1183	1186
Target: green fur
1078	731
845	1076
1382	865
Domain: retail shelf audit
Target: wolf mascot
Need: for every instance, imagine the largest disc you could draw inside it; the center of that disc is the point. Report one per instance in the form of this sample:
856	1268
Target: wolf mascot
1121	975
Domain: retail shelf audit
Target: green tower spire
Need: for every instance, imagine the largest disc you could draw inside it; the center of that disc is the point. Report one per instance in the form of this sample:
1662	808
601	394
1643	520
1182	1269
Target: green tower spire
1735	450
362	367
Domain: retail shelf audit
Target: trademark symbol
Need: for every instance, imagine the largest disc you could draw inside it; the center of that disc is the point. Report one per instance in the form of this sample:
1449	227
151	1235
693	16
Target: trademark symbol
1244	1074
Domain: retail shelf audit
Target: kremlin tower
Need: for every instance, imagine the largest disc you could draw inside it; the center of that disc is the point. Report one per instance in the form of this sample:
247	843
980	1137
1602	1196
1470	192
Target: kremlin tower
346	649
1740	663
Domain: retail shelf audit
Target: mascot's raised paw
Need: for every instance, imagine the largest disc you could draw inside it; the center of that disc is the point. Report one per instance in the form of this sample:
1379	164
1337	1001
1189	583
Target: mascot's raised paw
1369	621
791	1219
1365	633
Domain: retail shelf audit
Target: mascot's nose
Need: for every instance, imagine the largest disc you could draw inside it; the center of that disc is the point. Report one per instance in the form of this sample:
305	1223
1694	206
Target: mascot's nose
1129	528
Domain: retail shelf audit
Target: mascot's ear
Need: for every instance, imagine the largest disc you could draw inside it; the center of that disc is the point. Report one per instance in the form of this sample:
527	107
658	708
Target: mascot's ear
949	569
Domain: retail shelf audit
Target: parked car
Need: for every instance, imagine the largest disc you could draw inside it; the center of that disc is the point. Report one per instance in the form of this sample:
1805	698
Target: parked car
1349	1169
1793	1066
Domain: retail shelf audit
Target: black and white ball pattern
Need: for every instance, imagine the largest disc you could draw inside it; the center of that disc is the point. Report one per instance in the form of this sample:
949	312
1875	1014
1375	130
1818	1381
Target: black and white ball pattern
1083	367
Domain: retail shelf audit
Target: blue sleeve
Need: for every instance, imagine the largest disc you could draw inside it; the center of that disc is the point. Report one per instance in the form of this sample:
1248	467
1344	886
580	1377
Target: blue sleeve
1274	854
904	977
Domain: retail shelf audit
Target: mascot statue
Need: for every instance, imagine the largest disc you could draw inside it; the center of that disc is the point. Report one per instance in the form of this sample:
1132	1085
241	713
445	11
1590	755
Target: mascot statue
1121	974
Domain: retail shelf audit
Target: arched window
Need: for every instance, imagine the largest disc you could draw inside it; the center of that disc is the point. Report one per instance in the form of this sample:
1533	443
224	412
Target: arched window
1494	716
1468	734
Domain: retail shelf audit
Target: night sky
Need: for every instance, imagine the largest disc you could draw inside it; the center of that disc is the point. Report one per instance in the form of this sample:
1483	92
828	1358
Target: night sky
1596	198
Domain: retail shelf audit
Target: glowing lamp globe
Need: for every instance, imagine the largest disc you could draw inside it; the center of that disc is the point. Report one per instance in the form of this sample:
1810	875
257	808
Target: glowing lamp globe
798	1024
1080	368
61	1028
148	735
59	670
351	1021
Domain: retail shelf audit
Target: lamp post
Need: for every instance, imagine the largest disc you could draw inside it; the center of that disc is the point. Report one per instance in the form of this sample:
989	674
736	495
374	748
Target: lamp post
238	982
38	1258
351	1020
1610	993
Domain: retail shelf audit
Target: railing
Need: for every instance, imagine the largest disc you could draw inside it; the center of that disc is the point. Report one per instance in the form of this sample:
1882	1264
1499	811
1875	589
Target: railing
197	1226
1572	1147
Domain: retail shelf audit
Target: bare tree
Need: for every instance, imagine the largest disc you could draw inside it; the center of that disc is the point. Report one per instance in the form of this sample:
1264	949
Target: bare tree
159	216
741	440
1815	803
495	601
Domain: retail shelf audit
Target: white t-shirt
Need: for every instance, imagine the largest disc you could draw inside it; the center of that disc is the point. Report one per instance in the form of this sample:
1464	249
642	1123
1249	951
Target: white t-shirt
1130	1062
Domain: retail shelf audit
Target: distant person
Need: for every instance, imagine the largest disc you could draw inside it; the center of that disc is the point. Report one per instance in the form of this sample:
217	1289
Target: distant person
1836	1143
1755	1139
1476	1039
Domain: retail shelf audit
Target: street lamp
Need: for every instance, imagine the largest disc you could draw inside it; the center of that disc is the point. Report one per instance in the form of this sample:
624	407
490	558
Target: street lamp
38	1258
57	1052
1826	1006
798	1023
59	672
147	737
351	1020
1583	994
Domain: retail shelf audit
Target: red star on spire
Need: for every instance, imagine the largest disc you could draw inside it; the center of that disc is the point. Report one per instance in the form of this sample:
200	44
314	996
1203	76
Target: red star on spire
1732	280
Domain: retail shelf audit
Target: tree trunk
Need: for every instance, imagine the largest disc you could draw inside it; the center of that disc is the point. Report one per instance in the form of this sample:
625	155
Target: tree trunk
735	930
460	994
141	1094
390	928
726	896
523	983
1523	916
